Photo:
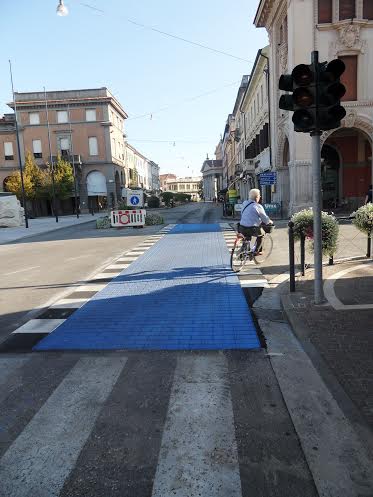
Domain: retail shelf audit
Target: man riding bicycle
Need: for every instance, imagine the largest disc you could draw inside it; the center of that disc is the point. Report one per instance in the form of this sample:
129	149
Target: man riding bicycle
253	216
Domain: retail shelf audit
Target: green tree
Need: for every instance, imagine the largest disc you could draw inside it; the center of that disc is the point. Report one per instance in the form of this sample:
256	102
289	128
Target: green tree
33	179
167	197
63	180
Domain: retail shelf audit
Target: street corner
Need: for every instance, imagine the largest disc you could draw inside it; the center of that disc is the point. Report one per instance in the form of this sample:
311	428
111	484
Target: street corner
349	287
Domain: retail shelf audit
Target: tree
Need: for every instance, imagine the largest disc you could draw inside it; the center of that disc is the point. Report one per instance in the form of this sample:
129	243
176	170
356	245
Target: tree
33	179
167	197
63	180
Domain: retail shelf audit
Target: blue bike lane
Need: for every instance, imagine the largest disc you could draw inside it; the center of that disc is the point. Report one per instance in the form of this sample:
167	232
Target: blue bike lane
180	295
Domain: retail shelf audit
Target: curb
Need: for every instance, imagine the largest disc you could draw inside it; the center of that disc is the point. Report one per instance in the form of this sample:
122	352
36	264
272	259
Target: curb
300	331
48	231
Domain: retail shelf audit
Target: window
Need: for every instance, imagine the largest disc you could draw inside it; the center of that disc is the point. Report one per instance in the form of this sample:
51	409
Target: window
93	147
325	11
90	115
349	77
34	118
8	151
261	95
368	9
114	151
36	148
62	116
346	9
64	146
187	187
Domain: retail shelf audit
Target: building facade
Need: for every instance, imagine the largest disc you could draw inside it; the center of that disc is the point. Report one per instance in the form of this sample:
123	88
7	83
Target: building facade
337	29
163	178
188	185
212	178
86	127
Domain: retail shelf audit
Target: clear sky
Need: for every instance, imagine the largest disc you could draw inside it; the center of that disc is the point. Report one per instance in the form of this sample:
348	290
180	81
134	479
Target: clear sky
145	70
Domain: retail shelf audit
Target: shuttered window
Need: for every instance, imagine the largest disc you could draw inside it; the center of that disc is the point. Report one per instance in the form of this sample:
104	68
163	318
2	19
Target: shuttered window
36	148
34	118
8	151
368	9
93	147
62	116
349	77
325	11
346	9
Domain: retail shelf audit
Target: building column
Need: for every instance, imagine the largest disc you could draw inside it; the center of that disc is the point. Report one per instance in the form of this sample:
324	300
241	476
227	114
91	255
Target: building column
300	185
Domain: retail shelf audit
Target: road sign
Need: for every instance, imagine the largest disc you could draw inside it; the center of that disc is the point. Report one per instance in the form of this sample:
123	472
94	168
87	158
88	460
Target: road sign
273	208
267	178
135	198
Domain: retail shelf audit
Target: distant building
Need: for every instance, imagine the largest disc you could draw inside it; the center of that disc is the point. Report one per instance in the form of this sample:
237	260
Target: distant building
87	129
188	185
164	178
212	178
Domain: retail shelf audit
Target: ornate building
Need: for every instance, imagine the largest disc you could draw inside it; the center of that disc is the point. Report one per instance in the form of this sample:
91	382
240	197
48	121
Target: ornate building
337	29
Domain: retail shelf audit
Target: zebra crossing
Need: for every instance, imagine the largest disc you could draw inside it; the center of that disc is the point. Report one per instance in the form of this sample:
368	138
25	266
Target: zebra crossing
150	424
27	335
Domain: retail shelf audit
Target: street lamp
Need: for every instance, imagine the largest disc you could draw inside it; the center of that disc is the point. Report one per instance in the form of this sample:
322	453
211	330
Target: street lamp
62	10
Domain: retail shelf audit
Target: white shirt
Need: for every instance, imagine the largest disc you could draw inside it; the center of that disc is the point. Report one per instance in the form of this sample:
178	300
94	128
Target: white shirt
253	215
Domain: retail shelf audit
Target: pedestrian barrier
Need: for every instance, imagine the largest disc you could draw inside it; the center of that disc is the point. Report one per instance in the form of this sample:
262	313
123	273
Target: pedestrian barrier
135	217
351	245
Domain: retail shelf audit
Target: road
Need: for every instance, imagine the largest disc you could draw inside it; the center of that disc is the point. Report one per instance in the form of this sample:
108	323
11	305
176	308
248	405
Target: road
42	269
156	422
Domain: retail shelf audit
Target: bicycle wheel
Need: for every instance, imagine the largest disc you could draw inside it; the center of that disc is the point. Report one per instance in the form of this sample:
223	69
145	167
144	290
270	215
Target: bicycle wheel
267	246
238	254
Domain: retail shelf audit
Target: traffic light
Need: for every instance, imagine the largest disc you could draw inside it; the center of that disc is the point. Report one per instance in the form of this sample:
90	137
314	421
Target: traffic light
303	100
330	92
316	93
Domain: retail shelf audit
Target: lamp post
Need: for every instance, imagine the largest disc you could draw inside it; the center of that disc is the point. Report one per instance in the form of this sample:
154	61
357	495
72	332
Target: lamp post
73	163
54	203
62	10
19	149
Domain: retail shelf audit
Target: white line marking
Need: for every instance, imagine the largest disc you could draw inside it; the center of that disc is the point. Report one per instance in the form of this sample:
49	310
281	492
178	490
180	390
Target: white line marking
330	294
199	454
95	287
69	304
39	326
118	266
254	284
41	458
22	270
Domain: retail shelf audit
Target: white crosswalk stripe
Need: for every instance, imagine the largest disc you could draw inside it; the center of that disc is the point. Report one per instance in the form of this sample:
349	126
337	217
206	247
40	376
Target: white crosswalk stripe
40	459
199	453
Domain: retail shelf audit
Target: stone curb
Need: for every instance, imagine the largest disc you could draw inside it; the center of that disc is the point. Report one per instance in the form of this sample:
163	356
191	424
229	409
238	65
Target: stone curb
300	331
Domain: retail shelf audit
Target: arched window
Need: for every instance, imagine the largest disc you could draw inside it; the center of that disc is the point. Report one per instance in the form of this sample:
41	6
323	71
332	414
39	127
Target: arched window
96	184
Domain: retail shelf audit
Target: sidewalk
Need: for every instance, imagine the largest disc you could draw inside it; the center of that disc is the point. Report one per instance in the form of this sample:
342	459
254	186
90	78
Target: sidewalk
42	225
338	334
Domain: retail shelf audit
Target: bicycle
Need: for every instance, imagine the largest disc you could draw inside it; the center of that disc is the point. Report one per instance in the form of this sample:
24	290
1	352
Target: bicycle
243	251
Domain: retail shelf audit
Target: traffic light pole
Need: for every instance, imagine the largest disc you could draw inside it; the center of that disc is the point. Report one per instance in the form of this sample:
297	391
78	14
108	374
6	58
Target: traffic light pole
317	239
317	207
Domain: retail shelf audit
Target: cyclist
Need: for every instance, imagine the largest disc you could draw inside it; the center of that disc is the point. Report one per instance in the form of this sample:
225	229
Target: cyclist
253	216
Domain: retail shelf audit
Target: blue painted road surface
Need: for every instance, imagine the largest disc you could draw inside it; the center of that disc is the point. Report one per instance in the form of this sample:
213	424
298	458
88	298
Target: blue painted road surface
180	295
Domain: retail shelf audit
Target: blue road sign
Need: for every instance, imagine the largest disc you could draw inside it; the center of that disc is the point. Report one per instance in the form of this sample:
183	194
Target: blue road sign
134	200
267	178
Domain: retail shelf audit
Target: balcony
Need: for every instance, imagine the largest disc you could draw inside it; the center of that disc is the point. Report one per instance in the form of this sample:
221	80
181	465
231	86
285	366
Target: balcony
246	166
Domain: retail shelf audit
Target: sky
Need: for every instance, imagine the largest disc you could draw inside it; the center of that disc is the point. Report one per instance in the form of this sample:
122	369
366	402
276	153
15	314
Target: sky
185	92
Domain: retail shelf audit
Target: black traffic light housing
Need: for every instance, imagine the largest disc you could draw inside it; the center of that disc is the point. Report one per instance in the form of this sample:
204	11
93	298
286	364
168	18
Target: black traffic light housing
316	93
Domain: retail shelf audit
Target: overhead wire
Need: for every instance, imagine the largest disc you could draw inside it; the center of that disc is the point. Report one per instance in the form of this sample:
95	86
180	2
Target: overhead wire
170	35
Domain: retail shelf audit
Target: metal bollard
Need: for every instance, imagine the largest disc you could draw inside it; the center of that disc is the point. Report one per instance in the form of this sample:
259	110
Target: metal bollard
369	245
302	253
291	256
331	260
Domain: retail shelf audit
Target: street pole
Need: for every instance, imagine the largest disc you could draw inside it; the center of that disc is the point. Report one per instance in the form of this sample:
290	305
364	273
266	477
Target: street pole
51	158
19	149
316	175
73	163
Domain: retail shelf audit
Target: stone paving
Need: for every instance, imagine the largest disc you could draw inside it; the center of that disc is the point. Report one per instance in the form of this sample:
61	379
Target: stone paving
343	338
180	295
